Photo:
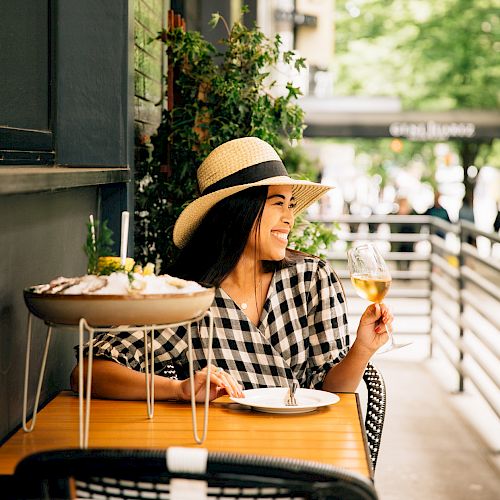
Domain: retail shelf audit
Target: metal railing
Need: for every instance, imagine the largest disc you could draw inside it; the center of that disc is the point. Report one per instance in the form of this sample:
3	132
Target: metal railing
446	285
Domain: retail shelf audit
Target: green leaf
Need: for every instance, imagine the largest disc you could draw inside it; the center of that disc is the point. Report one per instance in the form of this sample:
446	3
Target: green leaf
99	247
214	20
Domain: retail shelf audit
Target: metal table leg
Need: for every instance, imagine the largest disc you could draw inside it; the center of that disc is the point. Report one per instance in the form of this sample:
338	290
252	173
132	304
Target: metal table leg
84	424
191	380
84	407
150	382
40	376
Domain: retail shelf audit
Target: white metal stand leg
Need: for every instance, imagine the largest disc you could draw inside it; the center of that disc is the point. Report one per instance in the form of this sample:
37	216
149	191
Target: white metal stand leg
40	376
191	381
150	383
85	424
84	407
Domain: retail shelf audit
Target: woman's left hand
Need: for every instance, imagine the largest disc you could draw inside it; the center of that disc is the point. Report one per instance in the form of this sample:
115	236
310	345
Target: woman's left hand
373	327
221	382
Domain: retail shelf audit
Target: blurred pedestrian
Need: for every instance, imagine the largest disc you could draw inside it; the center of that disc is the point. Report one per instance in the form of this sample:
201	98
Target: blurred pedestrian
496	224
404	209
437	210
466	213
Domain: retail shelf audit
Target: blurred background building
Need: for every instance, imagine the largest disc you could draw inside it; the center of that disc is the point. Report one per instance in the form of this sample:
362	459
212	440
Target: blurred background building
371	179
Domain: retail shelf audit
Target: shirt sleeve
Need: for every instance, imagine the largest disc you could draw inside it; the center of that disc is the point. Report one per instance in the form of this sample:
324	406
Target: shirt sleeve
327	322
127	348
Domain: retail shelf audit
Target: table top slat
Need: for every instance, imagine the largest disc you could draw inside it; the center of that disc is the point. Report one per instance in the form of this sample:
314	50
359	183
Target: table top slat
332	434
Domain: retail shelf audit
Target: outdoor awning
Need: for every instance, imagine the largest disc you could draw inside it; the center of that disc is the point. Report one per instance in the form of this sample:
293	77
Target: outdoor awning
331	118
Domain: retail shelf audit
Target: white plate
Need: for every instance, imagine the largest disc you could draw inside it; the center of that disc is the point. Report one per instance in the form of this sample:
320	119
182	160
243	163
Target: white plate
272	400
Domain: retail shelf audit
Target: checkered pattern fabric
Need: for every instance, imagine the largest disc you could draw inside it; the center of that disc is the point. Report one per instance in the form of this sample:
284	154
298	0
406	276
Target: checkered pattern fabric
302	333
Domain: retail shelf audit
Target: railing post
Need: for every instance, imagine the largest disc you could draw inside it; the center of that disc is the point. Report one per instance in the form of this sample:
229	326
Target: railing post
461	263
431	289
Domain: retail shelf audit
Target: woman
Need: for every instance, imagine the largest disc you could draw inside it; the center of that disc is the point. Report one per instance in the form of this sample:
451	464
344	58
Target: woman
279	315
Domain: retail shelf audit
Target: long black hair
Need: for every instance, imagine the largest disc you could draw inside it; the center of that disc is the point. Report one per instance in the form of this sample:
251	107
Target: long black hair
216	245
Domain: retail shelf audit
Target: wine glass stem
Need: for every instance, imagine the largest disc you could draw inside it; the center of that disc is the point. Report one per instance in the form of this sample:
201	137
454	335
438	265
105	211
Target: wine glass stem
389	345
390	333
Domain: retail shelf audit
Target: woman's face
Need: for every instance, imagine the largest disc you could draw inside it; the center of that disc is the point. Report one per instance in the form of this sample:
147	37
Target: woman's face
275	225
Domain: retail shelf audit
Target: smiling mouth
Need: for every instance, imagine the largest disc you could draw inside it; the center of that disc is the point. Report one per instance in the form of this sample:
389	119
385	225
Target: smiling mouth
281	236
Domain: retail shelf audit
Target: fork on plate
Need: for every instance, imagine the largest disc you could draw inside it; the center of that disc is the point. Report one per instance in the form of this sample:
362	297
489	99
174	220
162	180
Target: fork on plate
290	399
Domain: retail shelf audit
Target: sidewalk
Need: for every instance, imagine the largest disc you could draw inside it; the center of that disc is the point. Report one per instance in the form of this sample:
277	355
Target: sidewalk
429	449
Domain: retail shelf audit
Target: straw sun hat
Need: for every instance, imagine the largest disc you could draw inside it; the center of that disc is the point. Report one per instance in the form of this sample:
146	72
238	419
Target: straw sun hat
234	166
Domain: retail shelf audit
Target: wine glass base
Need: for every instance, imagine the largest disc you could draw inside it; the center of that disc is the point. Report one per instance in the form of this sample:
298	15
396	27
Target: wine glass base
391	347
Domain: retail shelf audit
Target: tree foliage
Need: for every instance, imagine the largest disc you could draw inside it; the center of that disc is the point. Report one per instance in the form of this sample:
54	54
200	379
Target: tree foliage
433	55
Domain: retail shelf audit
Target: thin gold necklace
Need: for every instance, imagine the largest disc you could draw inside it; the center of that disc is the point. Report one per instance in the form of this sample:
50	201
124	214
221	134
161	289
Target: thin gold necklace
257	289
258	285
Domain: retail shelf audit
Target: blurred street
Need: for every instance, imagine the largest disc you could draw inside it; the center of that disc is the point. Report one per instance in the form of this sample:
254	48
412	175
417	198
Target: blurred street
432	446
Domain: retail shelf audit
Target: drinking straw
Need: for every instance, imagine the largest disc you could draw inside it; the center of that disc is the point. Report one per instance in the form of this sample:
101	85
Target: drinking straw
124	237
92	232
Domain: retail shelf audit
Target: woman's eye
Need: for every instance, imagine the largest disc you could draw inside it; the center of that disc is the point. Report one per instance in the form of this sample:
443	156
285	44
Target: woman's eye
282	203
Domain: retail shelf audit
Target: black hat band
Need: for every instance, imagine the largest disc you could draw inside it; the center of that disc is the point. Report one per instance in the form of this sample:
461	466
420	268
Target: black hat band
248	175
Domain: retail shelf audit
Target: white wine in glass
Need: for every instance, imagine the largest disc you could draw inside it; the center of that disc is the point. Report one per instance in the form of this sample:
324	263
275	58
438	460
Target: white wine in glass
371	278
371	288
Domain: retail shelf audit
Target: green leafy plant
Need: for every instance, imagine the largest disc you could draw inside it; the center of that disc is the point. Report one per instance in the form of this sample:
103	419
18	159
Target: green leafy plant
313	237
218	96
99	243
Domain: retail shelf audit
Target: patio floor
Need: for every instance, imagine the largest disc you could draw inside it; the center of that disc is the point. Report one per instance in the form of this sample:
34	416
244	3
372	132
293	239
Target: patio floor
429	447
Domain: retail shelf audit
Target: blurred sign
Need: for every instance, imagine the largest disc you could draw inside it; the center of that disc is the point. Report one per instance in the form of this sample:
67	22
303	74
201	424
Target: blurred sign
295	18
431	130
364	117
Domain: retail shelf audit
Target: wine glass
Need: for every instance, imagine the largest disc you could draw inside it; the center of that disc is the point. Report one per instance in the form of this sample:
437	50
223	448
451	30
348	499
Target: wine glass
371	278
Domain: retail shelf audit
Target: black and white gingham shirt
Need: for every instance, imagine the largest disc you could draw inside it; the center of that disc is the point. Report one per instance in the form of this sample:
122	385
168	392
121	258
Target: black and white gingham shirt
302	333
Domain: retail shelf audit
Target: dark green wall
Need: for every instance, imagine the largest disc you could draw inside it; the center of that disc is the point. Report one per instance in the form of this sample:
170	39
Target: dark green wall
91	71
42	233
24	63
41	237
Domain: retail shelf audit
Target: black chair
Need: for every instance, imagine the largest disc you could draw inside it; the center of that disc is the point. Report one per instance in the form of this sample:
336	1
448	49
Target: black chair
375	410
122	473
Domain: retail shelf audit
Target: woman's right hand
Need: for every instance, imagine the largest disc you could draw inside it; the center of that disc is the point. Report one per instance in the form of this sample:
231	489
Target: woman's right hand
221	383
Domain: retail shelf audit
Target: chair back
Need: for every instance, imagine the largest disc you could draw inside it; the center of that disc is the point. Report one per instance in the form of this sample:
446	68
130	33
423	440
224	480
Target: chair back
375	411
152	474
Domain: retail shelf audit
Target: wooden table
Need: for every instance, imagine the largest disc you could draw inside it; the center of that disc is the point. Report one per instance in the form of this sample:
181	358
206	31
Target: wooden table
334	434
